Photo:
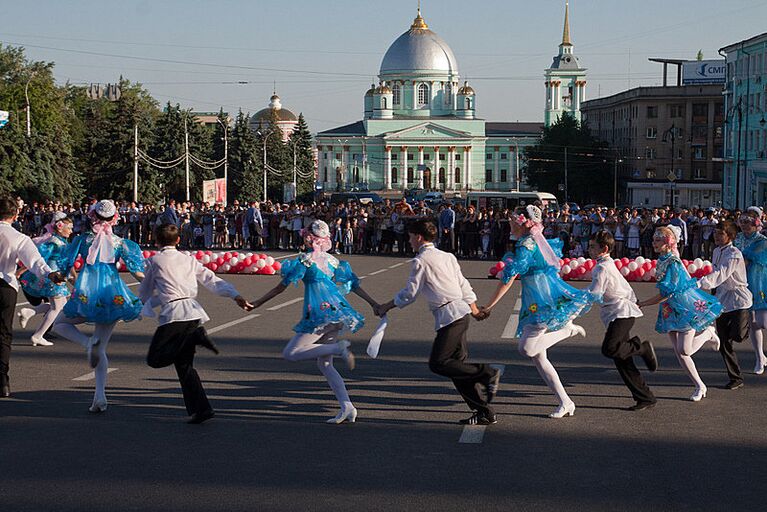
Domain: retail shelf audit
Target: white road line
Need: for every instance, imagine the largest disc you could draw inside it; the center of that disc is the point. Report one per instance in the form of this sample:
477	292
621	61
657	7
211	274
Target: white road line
285	304
287	256
378	272
397	265
510	331
472	434
92	375
221	327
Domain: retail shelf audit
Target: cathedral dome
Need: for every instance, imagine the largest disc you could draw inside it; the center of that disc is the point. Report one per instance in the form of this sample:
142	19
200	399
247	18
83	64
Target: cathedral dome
419	50
275	104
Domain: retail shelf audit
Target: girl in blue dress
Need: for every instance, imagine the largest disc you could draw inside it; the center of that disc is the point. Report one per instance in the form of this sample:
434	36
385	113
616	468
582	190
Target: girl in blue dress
685	309
753	245
326	313
549	305
99	295
52	247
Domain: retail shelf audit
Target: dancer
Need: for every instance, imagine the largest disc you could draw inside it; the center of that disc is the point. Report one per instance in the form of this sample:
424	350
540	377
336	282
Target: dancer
729	279
99	295
618	312
549	305
685	309
451	299
52	246
326	314
168	282
753	245
14	246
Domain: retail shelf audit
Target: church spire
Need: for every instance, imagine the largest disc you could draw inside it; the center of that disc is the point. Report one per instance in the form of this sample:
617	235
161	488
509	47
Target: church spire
418	22
566	32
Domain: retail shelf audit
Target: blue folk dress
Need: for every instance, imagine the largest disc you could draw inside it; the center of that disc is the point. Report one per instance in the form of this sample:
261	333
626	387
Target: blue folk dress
754	249
687	307
100	295
324	301
546	298
53	252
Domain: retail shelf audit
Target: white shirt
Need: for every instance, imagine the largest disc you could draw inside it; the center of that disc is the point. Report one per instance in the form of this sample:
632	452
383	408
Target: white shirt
437	274
15	246
613	292
170	274
729	279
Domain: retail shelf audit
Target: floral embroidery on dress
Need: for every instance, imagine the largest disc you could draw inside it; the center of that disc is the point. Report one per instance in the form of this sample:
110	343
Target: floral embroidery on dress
119	300
533	308
701	306
667	310
83	298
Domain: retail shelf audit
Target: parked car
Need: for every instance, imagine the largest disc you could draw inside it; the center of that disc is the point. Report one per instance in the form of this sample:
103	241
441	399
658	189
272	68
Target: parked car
360	197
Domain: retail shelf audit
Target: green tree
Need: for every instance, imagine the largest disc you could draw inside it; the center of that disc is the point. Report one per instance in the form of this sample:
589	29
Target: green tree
589	163
302	139
278	157
244	161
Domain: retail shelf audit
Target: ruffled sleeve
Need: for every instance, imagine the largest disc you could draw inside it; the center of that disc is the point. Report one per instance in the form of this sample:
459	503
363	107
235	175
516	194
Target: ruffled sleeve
46	250
69	255
756	253
131	254
557	245
345	278
518	262
292	272
674	279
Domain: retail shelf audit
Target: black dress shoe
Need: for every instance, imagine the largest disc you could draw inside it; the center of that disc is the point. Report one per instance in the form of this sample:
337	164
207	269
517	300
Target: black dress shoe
204	340
734	384
640	406
5	386
648	356
200	417
479	418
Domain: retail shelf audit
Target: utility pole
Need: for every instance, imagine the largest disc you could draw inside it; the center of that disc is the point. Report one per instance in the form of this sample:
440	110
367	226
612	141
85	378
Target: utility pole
226	158
135	163
265	168
28	108
186	157
567	198
517	173
295	184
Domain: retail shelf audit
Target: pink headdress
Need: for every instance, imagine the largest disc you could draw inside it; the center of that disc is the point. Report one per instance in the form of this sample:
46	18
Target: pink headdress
533	220
318	235
671	241
50	228
104	216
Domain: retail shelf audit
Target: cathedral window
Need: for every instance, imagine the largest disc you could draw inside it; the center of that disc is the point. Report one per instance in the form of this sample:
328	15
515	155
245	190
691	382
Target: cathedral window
423	95
394	177
410	175
442	175
457	175
396	91
448	93
468	103
383	104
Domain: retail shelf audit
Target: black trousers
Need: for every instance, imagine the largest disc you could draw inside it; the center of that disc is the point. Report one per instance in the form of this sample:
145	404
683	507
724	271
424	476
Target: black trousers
448	358
732	327
622	349
8	296
175	343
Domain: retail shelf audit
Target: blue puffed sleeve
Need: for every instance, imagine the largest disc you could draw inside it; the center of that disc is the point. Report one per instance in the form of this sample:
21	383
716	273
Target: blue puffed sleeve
346	279
292	272
557	245
46	250
131	254
69	256
517	262
756	252
673	280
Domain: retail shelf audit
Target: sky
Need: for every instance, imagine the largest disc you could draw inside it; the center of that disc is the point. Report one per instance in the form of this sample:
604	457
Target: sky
324	54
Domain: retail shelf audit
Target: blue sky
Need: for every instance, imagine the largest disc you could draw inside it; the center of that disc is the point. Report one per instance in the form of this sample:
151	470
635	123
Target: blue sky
324	54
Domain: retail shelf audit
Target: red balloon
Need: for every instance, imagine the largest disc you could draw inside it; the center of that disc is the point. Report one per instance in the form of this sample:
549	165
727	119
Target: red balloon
640	272
566	261
625	261
213	266
277	266
227	256
493	271
235	254
581	270
654	263
248	261
78	265
262	256
619	264
590	264
647	266
708	269
269	271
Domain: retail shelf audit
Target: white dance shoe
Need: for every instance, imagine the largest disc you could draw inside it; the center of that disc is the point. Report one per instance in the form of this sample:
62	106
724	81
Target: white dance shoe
346	353
715	343
24	315
40	341
567	409
576	330
700	394
347	413
93	352
759	367
98	406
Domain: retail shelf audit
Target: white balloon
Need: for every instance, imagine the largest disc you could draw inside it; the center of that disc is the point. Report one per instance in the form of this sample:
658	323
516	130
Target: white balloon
651	273
225	267
205	260
260	264
249	255
566	269
625	271
234	261
581	260
574	264
692	267
269	261
640	260
698	262
633	266
647	276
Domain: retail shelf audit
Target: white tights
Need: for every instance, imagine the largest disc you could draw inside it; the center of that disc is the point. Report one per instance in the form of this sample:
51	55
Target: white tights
756	333
305	346
685	344
533	344
51	311
66	327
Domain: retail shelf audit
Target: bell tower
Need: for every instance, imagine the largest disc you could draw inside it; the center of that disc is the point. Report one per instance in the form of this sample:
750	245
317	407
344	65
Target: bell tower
565	80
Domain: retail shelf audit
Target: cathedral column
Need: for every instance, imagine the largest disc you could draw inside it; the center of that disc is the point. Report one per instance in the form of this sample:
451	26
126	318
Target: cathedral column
496	164
346	167
387	169
435	169
450	173
420	167
466	167
403	171
331	169
415	95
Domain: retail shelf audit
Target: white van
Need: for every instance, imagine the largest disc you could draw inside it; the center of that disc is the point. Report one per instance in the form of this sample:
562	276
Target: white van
503	200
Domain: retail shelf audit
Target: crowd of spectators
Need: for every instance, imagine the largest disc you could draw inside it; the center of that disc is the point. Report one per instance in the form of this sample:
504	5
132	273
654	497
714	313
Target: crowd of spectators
469	232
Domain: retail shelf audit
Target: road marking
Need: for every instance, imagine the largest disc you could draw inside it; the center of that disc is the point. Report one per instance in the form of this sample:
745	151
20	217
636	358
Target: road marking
221	327
378	272
285	304
397	265
472	434
510	331
288	256
92	375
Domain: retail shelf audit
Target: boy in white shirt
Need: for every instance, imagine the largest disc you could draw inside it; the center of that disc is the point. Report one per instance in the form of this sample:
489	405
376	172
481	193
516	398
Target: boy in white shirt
618	312
168	282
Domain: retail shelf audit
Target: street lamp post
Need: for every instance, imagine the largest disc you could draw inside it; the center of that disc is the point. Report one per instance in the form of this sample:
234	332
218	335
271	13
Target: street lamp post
226	158
738	107
615	182
266	137
671	132
27	106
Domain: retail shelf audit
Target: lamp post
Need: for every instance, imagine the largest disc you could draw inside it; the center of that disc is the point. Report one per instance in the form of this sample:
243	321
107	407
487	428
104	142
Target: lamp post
615	182
266	138
738	107
27	106
226	157
671	133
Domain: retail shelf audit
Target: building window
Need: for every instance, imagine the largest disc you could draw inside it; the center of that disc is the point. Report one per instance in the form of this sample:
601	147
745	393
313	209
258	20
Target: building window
457	175
384	106
423	95
652	132
700	153
504	156
649	153
427	156
699	175
700	110
442	156
394	177
676	111
397	93
504	176
394	156
457	156
325	175
410	156
489	156
468	103
650	174
338	156
441	175
410	177
488	175
652	112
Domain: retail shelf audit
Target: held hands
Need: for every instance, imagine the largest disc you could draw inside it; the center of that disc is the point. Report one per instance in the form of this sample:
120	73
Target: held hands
244	304
57	277
381	309
480	314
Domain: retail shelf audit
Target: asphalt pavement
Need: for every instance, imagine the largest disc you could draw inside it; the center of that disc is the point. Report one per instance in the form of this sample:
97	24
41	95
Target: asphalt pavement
269	448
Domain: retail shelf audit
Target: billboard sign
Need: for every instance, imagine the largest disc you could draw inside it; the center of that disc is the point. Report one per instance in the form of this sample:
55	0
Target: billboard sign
214	191
704	72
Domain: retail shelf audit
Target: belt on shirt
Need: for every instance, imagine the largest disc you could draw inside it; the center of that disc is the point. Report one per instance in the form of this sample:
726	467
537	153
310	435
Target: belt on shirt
445	304
176	300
